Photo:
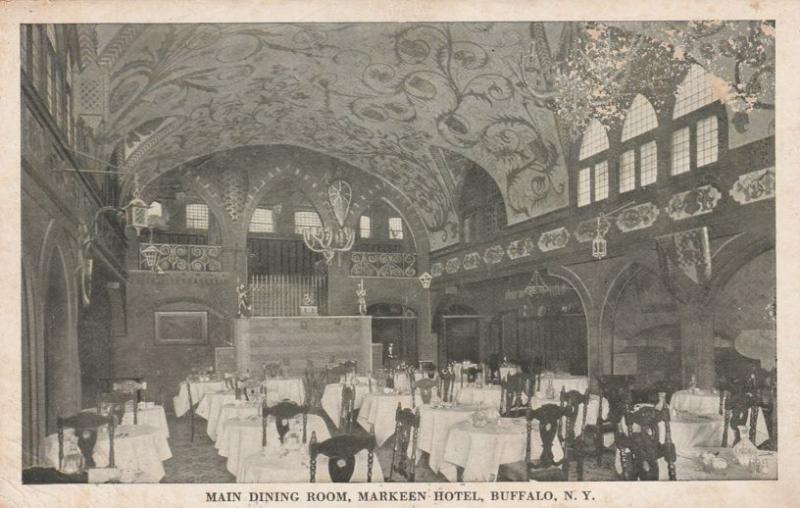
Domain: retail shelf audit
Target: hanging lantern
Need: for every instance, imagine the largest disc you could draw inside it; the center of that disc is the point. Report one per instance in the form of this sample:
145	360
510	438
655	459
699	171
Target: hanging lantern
150	254
599	244
136	213
537	285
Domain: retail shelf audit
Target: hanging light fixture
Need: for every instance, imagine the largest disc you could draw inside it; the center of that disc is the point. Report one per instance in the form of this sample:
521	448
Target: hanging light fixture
537	285
599	243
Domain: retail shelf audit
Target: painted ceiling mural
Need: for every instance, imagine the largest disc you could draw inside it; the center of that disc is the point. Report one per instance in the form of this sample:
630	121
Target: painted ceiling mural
408	103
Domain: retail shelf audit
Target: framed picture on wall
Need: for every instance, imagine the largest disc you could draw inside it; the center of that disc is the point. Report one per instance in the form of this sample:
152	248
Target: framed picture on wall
181	328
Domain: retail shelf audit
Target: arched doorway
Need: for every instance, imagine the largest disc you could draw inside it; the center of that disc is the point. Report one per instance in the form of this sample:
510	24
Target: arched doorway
394	326
458	327
57	355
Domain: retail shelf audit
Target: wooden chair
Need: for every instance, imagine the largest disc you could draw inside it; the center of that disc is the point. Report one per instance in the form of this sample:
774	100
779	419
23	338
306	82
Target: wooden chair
640	451
737	408
446	380
580	445
86	426
347	413
272	370
425	387
615	390
116	404
405	436
545	467
511	390
341	452
314	381
282	412
471	375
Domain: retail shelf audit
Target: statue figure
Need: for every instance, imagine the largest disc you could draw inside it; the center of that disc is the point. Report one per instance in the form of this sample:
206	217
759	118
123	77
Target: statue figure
361	293
308	300
244	300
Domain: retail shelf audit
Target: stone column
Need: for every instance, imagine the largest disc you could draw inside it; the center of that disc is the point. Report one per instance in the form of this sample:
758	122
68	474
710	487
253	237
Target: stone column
697	344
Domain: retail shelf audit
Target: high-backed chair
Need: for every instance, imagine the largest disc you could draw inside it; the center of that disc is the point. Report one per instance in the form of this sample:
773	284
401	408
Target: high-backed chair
446	381
615	391
86	426
341	452
551	433
511	390
347	413
470	374
314	382
405	435
579	444
641	450
116	404
282	412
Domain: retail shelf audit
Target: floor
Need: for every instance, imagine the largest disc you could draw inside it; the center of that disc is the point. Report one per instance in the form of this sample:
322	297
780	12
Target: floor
197	461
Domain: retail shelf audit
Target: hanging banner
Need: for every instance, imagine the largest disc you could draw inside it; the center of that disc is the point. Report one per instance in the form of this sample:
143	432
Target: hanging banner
685	261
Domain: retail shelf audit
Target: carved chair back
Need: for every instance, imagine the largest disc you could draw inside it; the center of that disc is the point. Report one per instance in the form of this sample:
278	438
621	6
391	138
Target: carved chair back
425	387
341	452
116	404
282	413
511	390
406	430
86	426
549	418
641	450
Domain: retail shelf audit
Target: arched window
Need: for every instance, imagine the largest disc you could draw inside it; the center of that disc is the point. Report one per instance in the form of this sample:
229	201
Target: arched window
696	140
483	210
638	165
593	175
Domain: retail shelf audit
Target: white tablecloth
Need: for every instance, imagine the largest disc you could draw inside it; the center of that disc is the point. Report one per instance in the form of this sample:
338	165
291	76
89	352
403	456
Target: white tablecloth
136	448
332	399
153	416
701	403
181	401
378	411
273	467
506	371
567	381
231	410
434	425
240	437
488	395
210	407
285	389
481	450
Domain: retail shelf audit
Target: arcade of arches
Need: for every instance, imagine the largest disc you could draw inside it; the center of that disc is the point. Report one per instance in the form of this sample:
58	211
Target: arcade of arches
309	203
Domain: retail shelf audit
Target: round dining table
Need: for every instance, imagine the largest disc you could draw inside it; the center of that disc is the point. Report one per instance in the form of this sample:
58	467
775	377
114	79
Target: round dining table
240	437
277	465
435	421
487	395
331	400
210	407
198	389
701	402
139	451
481	450
379	409
290	388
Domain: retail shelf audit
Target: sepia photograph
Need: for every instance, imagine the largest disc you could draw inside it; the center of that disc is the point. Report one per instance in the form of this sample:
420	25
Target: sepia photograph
410	252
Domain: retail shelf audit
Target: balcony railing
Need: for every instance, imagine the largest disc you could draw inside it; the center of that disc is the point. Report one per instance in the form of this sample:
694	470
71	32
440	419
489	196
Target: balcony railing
170	257
383	264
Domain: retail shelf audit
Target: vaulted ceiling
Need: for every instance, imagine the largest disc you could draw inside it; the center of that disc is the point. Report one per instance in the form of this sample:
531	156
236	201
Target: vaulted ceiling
396	100
414	104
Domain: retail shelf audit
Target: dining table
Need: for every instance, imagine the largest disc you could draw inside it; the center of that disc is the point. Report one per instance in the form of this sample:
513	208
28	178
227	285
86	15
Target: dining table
240	437
559	380
480	450
285	388
331	400
697	401
379	409
277	465
690	466
473	393
198	388
139	451
148	413
435	420
209	408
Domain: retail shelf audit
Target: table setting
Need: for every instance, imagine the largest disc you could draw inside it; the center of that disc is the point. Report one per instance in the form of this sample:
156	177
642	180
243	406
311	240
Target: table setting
331	400
241	437
378	411
434	425
484	442
139	451
277	465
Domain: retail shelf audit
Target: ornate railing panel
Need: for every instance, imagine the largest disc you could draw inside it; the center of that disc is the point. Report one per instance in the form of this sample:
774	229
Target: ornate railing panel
283	294
383	264
180	258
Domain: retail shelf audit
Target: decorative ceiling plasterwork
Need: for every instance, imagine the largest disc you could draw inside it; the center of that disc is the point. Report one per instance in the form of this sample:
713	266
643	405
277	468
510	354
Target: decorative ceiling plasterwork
380	96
